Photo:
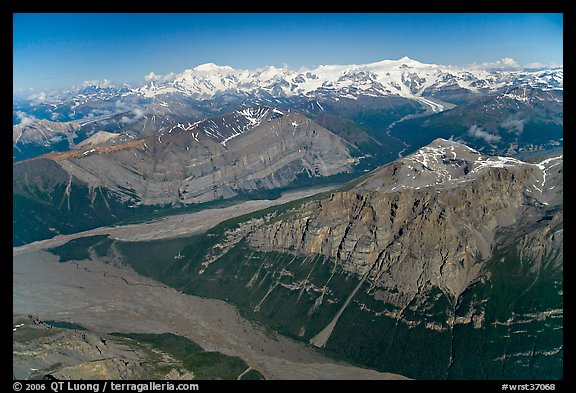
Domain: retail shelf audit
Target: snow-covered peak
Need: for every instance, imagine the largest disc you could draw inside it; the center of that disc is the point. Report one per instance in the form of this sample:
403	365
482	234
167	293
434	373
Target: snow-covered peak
404	62
270	73
211	67
441	153
449	164
442	143
404	77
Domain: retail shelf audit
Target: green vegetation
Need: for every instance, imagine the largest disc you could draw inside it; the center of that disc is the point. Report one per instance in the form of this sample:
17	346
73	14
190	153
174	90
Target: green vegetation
29	333
40	214
260	286
421	131
177	346
214	365
79	249
102	245
391	345
65	325
229	278
264	287
376	123
204	365
516	339
540	132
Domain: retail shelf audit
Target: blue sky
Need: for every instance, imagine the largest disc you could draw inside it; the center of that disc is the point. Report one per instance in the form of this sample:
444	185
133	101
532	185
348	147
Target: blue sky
63	50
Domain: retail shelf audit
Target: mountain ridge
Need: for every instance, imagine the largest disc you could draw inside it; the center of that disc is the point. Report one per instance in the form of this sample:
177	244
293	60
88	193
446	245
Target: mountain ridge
404	77
384	99
429	273
249	151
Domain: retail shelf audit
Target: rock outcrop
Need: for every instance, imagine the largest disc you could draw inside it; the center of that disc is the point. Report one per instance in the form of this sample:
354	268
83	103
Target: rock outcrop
444	264
430	218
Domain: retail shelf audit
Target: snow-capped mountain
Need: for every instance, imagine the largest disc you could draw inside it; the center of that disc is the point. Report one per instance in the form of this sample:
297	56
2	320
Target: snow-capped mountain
501	111
448	164
404	77
435	87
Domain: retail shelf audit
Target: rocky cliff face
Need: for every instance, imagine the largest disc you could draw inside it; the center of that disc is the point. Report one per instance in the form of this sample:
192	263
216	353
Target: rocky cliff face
43	132
439	255
428	219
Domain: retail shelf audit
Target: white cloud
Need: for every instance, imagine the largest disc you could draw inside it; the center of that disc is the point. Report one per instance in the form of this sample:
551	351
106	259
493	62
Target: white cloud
138	113
539	65
514	125
162	78
506	63
151	77
169	77
479	133
41	96
54	116
121	106
98	83
25	119
98	112
509	64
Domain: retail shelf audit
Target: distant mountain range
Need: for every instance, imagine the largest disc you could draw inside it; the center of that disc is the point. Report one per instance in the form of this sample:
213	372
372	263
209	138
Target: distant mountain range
405	78
377	98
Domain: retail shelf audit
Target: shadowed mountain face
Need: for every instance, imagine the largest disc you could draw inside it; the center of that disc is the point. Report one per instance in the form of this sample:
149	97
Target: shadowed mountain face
448	261
247	151
517	120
